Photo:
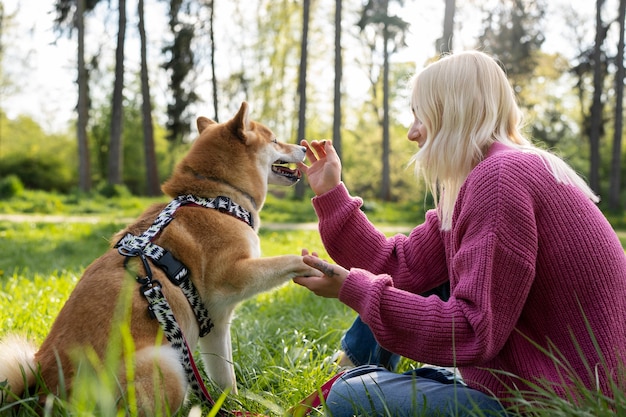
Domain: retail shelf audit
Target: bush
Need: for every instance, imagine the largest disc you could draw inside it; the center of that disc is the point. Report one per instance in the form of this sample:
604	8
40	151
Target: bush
48	173
113	190
11	186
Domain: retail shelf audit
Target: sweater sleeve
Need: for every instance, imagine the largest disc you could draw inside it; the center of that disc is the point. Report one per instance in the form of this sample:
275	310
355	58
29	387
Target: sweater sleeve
492	249
416	262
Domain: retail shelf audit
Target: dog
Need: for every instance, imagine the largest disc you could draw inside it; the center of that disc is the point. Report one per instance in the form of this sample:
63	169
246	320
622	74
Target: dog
218	249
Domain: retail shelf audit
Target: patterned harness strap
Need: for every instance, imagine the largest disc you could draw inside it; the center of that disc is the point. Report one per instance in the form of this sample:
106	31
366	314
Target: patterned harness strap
164	315
175	270
142	246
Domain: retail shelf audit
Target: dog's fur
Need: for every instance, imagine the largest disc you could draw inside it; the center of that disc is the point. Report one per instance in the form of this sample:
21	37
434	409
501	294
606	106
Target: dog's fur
233	159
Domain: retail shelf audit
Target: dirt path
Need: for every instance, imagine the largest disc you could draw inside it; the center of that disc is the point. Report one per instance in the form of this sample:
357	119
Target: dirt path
50	218
53	218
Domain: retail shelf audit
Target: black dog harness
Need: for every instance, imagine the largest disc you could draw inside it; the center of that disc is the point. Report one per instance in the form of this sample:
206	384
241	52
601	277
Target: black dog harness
158	307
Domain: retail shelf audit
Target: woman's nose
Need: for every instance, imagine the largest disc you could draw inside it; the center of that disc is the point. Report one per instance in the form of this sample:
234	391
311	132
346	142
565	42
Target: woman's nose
413	132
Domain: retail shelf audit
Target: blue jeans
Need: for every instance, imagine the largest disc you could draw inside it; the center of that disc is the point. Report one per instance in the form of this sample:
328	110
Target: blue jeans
359	344
373	389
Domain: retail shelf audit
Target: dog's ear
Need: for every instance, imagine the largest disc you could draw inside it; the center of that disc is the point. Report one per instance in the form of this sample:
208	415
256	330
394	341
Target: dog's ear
240	124
203	123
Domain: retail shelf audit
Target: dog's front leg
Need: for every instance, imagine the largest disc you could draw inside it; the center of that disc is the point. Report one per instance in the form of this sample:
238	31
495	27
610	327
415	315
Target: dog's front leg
257	275
217	354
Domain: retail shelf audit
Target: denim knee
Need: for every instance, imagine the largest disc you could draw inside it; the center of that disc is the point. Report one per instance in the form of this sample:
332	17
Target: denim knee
374	391
360	346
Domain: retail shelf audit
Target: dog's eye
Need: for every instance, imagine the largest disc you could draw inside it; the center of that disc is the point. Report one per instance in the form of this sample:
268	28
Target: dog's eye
274	140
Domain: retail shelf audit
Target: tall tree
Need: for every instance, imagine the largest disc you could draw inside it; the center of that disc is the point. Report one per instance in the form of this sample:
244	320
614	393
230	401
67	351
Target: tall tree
616	160
590	70
213	52
275	49
84	162
152	174
512	31
306	9
595	128
115	170
391	29
71	14
444	44
180	66
337	114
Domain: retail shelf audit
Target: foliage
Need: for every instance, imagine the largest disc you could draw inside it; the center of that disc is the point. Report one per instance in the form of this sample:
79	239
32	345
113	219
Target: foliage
273	47
11	186
40	160
77	204
39	173
180	65
362	155
376	14
134	170
262	51
113	190
279	208
65	10
512	31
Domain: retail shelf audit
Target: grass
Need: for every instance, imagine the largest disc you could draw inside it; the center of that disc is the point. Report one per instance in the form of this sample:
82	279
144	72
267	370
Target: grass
281	338
277	209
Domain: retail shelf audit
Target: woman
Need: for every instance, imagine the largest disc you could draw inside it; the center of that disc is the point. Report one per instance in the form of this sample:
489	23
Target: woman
537	275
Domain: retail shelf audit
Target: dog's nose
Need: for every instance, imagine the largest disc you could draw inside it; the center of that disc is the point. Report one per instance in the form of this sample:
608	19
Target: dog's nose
303	148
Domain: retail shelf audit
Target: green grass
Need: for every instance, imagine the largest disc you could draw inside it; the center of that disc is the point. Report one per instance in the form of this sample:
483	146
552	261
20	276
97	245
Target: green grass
281	338
40	202
276	209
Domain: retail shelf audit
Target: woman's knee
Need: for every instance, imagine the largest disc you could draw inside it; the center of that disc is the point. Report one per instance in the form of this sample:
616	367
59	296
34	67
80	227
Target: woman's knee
374	391
351	392
367	390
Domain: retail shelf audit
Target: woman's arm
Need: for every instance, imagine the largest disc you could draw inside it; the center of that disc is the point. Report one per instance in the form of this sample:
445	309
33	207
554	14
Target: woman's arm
493	249
417	262
352	241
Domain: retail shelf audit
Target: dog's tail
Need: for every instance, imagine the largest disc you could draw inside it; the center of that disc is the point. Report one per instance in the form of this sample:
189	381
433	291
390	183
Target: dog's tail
17	367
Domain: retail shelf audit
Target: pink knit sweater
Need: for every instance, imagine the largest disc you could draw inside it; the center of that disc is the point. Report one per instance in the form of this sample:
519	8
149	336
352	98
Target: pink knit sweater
533	267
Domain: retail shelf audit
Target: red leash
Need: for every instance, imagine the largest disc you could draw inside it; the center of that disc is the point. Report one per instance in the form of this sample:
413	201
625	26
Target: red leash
304	407
314	399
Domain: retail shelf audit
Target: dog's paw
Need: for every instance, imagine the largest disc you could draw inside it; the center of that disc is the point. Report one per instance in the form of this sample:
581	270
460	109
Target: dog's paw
307	271
311	272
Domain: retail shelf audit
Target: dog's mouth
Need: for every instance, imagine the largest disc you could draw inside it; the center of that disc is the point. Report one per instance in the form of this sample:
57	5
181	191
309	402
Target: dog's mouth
283	169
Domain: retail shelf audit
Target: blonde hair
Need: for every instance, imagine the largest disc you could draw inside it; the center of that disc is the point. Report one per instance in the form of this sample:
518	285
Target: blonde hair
466	104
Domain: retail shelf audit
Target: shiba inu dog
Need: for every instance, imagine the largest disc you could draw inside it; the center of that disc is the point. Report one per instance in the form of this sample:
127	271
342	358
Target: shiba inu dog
205	243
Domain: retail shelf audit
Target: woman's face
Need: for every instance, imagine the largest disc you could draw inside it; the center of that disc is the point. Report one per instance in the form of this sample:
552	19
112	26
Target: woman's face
417	131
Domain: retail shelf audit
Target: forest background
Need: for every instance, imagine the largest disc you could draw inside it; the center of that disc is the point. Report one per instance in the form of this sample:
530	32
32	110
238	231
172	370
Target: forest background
80	135
143	71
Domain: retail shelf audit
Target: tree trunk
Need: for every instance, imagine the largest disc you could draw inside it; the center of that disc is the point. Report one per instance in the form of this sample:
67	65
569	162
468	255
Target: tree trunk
306	5
115	146
337	119
385	189
84	164
213	51
596	106
616	160
444	44
152	172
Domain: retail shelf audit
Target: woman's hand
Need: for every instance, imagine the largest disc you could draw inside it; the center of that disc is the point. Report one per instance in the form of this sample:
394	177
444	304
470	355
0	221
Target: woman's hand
327	285
324	174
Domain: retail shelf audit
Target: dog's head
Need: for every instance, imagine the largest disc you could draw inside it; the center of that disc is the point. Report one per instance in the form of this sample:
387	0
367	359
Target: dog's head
241	153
